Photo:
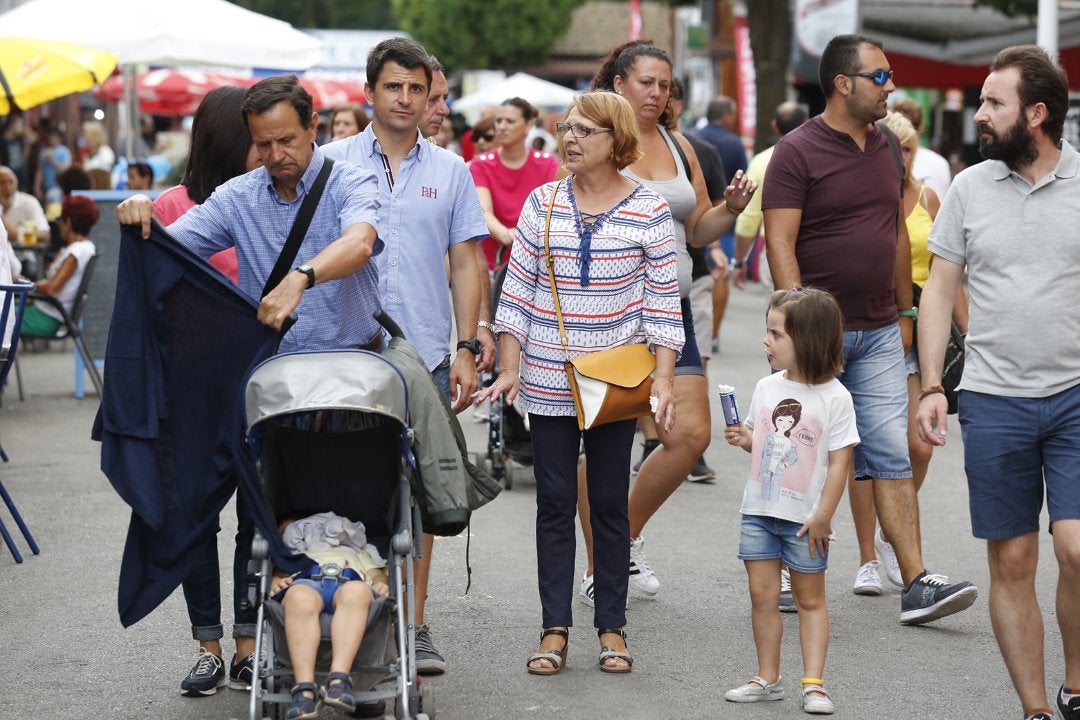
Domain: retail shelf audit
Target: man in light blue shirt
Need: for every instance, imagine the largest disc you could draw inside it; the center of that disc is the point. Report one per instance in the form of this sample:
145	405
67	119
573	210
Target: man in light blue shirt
428	210
333	287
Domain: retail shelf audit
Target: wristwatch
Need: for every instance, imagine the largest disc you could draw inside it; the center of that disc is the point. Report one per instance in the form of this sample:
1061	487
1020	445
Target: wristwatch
737	264
913	313
490	327
472	346
309	271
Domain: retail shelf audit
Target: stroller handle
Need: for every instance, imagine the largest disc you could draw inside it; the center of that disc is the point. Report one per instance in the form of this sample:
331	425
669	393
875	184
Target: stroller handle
388	323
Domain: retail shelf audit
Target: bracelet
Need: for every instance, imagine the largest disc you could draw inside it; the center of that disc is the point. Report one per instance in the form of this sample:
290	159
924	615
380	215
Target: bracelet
735	213
932	390
490	327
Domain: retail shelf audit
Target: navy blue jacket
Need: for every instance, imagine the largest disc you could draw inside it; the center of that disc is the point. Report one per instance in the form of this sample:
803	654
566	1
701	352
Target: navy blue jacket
181	342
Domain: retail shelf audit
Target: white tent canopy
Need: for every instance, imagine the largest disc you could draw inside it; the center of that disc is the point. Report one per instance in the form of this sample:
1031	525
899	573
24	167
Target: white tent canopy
168	32
543	94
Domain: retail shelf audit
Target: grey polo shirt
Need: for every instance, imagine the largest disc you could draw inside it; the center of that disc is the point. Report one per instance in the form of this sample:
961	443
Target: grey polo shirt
1021	246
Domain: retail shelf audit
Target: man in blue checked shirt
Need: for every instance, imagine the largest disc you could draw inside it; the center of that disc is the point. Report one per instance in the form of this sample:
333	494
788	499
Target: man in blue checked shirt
333	289
428	210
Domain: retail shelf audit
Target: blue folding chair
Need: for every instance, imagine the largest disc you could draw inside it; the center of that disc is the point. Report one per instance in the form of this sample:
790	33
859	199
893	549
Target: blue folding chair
13	299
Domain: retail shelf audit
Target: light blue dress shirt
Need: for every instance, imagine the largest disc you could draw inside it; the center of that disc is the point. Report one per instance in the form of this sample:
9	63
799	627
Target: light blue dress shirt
248	212
433	205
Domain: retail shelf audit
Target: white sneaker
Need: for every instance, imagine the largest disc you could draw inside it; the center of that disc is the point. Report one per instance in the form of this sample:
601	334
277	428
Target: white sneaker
641	577
588	592
586	595
787	599
757	690
888	560
868	581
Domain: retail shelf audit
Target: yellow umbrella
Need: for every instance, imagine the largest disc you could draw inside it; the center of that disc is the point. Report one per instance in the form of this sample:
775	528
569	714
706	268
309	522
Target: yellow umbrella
33	72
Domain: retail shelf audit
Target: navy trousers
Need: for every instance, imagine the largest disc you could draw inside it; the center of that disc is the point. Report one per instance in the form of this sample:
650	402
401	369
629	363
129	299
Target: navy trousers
556	441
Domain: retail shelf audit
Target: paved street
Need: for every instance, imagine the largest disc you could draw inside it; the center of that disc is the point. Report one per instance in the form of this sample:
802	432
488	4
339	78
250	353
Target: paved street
65	656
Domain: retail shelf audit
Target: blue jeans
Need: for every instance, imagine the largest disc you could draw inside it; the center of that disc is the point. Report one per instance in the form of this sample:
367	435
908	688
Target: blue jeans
202	586
441	374
876	376
556	441
762	537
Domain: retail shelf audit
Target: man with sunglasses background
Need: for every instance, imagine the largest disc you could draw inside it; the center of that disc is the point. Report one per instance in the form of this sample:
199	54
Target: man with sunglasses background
832	205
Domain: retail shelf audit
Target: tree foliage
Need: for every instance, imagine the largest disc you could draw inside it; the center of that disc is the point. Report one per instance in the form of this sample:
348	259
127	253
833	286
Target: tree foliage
492	34
327	14
1012	8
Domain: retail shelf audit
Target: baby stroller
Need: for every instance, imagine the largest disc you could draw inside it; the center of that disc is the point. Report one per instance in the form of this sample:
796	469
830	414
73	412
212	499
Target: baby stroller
330	431
508	432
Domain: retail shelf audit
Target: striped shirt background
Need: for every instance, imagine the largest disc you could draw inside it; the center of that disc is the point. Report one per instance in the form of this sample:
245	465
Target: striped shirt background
632	295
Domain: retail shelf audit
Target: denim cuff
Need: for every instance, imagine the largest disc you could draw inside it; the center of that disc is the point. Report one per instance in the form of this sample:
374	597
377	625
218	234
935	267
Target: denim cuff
245	630
207	632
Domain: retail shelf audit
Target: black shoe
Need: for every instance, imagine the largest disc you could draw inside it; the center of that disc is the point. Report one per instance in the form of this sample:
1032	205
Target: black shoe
206	677
374	708
930	598
1069	710
646	450
428	659
701	472
240	673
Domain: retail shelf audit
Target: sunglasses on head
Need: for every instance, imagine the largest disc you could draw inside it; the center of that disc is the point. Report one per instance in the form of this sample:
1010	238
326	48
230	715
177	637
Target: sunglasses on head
878	77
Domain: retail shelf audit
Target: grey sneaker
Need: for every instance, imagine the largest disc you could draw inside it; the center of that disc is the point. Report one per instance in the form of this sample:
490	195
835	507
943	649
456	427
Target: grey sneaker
701	473
646	450
428	659
787	600
205	677
930	598
757	690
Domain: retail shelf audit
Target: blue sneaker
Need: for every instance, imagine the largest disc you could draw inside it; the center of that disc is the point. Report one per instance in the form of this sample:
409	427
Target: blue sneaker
240	673
206	677
931	597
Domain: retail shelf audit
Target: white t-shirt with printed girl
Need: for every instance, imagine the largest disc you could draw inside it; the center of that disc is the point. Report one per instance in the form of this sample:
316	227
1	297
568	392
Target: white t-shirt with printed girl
795	426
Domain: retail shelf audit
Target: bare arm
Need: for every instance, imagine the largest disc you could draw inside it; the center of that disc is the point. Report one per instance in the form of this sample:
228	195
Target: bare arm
498	231
486	361
53	285
902	279
465	284
935	310
781	232
819	527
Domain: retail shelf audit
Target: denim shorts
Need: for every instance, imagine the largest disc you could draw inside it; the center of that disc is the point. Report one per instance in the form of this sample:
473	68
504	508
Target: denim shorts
876	376
911	362
1013	449
768	538
689	363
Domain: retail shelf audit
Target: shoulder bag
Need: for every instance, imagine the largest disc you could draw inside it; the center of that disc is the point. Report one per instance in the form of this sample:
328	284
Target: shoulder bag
607	385
953	368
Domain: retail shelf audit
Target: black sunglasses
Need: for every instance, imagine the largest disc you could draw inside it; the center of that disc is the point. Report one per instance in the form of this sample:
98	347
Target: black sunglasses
879	77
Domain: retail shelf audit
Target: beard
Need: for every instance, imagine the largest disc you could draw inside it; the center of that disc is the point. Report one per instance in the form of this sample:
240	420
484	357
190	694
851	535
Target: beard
1015	149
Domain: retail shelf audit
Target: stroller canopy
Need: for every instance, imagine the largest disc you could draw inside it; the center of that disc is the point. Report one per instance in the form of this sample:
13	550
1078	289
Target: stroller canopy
329	380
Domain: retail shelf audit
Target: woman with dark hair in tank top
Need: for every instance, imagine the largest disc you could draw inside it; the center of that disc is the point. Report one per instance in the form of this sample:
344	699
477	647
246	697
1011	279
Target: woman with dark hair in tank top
642	73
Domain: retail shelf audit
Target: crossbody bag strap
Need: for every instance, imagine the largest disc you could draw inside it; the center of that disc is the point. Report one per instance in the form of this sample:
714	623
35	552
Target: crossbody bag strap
299	229
550	262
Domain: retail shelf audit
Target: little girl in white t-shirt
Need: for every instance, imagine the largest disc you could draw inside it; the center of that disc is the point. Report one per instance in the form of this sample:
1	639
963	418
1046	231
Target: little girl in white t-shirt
800	433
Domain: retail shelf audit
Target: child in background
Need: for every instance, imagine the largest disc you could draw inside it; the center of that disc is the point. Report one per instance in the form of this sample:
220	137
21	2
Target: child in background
342	552
801	434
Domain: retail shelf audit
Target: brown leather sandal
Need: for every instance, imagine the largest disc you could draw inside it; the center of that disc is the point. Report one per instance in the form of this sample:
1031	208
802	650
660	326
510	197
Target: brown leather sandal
606	653
556	658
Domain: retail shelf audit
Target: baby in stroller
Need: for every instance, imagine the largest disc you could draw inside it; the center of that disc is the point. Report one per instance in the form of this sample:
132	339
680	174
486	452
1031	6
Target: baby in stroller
344	583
